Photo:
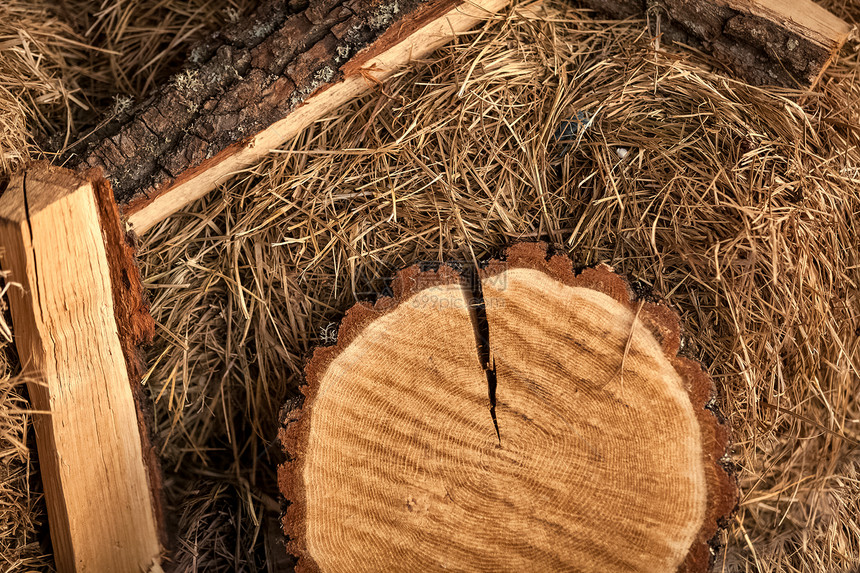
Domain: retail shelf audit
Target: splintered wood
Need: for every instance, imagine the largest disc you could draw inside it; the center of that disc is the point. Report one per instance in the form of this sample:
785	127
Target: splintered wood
94	462
582	443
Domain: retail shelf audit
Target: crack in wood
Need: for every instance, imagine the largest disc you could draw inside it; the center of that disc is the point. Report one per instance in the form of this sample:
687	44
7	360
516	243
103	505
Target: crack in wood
481	327
69	317
435	423
32	247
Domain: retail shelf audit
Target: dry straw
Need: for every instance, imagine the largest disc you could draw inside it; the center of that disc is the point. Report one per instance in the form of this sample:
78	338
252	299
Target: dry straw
740	205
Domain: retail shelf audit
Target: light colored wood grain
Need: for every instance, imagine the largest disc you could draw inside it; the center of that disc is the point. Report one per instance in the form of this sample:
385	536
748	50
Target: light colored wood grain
397	465
417	45
398	435
96	485
617	462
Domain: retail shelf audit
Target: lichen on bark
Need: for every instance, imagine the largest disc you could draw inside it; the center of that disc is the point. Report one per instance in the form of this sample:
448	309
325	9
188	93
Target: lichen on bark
235	84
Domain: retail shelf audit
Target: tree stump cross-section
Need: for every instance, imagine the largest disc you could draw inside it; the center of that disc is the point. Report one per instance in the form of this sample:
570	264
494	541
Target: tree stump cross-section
580	443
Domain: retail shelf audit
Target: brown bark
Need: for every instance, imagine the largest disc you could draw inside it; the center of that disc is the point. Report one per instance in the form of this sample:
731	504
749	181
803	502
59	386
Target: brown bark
241	91
767	43
135	327
414	451
238	83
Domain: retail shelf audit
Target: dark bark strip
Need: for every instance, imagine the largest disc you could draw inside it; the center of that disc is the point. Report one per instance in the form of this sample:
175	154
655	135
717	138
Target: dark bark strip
136	329
761	51
256	71
237	83
764	50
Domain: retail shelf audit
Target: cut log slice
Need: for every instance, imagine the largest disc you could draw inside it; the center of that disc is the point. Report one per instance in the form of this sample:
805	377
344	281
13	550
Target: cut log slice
392	449
581	444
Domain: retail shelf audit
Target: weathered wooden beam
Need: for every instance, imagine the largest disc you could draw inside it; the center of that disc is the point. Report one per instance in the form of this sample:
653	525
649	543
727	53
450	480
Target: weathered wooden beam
78	315
260	83
767	42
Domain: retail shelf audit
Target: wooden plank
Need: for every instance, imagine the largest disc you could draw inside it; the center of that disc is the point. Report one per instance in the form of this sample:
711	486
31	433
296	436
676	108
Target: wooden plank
767	42
94	461
246	96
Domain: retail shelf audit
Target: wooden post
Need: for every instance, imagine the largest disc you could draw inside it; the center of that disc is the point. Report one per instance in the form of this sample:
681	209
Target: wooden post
96	466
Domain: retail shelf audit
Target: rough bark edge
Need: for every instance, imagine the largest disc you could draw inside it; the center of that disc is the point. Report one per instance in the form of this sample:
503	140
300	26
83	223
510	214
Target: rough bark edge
762	47
663	323
394	34
400	30
135	327
296	427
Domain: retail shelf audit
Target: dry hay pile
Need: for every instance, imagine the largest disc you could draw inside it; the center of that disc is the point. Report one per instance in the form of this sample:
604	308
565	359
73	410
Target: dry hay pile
740	205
